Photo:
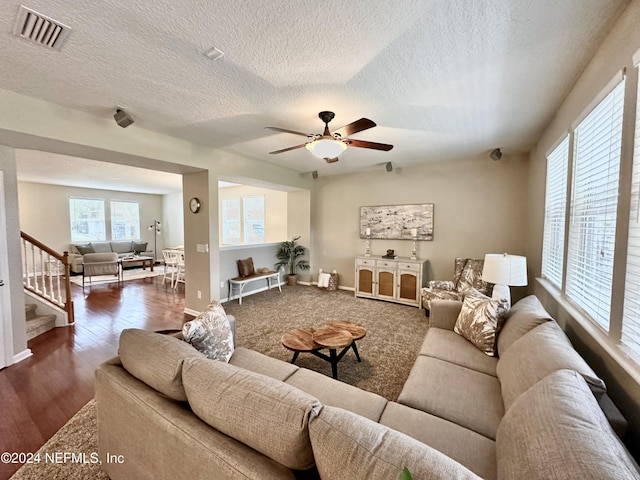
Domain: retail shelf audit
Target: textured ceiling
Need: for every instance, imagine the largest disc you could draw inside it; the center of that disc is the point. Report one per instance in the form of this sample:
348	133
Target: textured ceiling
443	79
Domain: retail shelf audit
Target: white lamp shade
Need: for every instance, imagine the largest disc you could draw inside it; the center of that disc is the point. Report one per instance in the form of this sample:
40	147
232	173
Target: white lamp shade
503	269
326	147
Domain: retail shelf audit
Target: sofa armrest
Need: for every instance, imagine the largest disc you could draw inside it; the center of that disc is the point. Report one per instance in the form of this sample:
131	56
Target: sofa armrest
444	313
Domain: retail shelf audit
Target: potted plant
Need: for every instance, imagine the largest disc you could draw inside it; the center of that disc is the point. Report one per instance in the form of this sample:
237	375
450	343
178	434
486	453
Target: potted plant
288	256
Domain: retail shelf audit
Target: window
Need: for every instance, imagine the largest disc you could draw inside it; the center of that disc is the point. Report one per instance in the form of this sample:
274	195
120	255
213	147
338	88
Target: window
243	220
253	213
87	219
555	213
125	220
631	313
594	202
231	221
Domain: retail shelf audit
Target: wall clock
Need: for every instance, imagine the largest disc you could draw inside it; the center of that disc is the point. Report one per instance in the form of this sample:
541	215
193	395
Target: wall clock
194	205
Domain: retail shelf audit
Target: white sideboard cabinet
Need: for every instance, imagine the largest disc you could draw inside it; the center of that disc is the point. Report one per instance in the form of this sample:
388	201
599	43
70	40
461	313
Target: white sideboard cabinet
395	280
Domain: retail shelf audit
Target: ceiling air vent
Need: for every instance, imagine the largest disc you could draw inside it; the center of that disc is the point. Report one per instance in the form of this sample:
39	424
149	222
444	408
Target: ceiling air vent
40	29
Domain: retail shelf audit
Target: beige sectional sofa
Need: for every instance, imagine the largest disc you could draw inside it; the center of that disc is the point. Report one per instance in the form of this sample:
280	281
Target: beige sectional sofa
532	413
123	248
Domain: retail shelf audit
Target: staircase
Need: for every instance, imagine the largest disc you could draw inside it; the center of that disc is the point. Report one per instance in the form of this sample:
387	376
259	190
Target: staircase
37	324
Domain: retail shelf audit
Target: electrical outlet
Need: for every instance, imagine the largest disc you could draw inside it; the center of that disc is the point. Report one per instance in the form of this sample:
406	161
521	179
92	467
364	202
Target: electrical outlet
199	294
222	284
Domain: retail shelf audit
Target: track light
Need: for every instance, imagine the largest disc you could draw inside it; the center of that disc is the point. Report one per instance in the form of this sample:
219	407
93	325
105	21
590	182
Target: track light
389	167
495	155
122	118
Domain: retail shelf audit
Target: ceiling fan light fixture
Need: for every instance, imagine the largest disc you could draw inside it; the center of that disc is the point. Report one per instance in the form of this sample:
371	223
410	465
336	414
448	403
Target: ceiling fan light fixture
326	147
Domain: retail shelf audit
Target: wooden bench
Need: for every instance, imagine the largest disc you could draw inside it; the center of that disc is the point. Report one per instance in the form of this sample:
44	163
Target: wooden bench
239	283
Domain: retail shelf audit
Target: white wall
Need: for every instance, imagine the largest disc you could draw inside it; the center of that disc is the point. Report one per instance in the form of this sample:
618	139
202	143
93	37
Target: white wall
172	228
44	212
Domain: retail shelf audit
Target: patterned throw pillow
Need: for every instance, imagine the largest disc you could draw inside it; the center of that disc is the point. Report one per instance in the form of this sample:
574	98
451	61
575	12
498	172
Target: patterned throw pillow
479	321
210	333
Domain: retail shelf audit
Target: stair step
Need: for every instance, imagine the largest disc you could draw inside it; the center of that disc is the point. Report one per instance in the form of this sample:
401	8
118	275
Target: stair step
40	324
30	310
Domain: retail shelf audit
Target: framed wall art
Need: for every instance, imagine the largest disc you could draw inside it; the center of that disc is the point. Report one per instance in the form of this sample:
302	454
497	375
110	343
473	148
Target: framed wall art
397	222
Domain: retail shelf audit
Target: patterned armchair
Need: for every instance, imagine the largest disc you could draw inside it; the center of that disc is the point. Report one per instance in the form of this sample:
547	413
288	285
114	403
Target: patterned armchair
468	274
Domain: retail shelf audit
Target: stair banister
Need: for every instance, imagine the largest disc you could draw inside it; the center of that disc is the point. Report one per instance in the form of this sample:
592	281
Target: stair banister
41	274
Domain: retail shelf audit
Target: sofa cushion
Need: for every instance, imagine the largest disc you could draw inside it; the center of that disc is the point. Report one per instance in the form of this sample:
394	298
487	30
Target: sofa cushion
82	249
347	445
261	412
451	347
540	352
479	321
458	394
474	451
260	363
156	360
246	268
338	394
524	316
557	430
121	246
210	333
139	247
101	247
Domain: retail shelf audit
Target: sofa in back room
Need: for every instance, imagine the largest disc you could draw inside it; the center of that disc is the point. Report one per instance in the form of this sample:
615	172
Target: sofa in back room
123	248
534	412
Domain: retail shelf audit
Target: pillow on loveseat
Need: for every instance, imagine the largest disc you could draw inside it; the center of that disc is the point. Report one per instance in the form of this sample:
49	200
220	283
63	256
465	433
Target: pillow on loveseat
480	320
210	333
88	248
139	247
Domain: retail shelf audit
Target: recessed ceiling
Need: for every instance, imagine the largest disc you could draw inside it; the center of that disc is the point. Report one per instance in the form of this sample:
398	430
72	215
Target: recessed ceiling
443	79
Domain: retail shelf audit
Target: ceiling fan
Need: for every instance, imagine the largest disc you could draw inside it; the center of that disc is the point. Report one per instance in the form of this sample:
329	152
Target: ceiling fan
330	145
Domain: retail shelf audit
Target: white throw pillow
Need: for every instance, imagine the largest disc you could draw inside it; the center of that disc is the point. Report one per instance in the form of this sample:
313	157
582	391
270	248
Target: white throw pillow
479	321
210	333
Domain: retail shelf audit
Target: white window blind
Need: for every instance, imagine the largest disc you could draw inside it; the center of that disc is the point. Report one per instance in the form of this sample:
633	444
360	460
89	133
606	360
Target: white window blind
555	213
87	219
594	203
631	314
125	220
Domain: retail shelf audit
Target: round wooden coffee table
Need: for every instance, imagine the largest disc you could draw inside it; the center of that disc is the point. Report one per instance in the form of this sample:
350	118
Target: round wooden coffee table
299	340
332	336
356	330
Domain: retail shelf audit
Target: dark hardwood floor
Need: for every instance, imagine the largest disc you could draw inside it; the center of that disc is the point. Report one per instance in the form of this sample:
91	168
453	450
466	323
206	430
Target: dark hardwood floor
40	394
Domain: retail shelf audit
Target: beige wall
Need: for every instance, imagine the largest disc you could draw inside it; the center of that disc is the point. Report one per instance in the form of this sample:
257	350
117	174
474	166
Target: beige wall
44	212
479	207
614	54
275	209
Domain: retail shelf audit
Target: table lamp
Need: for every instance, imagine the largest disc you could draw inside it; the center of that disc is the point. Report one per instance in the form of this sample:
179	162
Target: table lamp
504	271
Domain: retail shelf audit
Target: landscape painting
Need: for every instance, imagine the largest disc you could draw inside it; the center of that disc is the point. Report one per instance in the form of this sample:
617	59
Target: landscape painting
397	221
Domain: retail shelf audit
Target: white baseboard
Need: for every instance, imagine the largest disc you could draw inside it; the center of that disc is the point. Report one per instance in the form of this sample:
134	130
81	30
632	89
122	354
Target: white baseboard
26	353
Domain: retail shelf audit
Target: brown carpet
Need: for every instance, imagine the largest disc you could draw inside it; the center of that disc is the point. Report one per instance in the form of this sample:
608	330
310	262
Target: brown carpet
394	332
394	336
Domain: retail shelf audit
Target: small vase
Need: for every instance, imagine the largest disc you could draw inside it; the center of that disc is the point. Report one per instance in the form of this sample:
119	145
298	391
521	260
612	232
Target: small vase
292	279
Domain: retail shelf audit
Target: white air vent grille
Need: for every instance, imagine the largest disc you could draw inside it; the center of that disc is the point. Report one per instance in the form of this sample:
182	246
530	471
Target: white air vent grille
40	29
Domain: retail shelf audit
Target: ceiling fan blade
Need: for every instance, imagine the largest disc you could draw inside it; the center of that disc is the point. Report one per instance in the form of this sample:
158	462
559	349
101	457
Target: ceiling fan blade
355	127
277	129
290	148
364	144
331	160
